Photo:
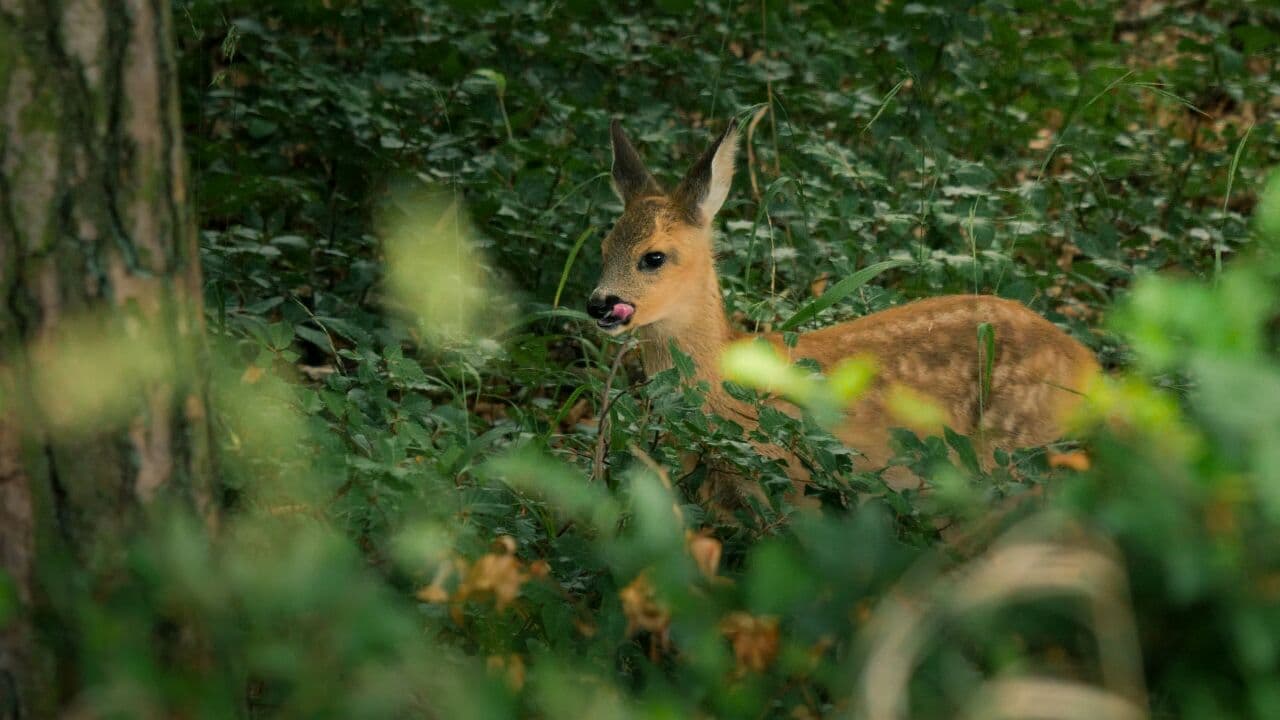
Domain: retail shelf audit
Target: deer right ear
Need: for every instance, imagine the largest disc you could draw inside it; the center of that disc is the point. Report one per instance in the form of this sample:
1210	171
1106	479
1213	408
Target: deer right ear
706	186
631	180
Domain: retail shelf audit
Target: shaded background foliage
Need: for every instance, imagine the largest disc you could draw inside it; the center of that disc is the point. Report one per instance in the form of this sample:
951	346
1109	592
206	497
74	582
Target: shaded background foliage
413	527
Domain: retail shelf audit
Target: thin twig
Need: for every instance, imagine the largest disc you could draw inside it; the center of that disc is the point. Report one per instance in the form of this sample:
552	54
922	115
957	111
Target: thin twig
602	425
332	347
751	152
773	122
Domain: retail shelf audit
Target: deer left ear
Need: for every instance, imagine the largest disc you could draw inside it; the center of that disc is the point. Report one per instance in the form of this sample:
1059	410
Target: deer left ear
704	189
630	178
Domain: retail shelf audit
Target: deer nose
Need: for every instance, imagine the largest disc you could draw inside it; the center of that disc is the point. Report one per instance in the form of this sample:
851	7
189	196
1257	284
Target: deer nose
600	304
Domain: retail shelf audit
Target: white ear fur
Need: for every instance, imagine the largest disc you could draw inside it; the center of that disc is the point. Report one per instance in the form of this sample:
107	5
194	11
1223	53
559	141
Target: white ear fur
722	166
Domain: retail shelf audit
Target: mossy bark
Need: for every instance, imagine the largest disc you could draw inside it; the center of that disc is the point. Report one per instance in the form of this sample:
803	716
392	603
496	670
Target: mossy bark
94	222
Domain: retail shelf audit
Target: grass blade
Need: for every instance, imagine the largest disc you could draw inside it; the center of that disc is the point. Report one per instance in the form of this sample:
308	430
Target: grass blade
986	358
840	291
574	191
568	263
884	104
1226	199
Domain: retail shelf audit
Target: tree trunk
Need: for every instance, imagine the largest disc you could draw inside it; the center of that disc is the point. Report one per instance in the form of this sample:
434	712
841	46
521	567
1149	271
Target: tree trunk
98	259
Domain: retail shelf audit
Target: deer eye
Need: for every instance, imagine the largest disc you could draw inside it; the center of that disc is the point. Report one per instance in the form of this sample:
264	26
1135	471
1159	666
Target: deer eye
652	261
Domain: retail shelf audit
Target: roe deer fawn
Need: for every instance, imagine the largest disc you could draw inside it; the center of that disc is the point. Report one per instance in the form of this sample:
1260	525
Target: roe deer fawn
659	279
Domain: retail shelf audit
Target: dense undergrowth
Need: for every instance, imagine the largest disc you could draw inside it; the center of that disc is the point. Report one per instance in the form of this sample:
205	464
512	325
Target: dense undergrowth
423	515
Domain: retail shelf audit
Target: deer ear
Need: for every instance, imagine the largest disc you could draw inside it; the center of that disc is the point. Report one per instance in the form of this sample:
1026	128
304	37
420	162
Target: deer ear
704	189
631	179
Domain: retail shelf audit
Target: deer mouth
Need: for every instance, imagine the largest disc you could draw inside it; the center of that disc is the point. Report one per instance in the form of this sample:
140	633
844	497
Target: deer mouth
618	316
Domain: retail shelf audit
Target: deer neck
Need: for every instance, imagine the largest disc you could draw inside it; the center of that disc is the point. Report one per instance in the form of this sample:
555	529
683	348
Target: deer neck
700	330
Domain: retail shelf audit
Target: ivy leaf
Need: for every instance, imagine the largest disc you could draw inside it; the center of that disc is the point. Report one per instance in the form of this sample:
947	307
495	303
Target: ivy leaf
964	449
683	363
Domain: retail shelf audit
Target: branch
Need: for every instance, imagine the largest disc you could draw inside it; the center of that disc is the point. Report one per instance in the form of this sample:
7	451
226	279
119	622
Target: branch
602	426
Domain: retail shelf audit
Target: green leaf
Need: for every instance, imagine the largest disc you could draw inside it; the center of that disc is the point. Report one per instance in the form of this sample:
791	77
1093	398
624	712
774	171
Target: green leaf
8	599
259	128
777	578
986	360
315	337
684	363
498	79
964	449
296	241
280	334
840	291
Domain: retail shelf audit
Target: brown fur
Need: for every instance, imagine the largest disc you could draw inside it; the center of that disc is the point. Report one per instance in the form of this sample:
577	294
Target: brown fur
930	346
1037	379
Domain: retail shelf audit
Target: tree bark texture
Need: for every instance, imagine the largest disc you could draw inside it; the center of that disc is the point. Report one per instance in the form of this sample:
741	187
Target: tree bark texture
94	222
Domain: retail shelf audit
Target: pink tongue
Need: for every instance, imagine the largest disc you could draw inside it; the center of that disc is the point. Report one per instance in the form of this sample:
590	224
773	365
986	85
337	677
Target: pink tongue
622	311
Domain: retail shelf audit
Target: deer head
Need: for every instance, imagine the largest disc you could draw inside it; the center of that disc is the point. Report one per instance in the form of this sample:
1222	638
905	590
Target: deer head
658	264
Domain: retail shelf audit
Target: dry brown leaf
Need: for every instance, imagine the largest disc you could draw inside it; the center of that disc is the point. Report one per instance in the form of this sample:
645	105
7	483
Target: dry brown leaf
504	544
499	573
819	285
433	594
1067	255
754	640
862	613
1078	461
1042	141
511	667
577	413
706	552
317	372
642	609
587	629
819	650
